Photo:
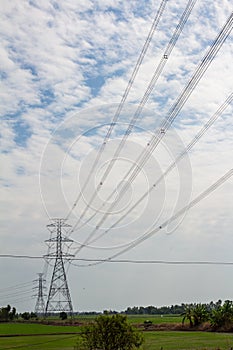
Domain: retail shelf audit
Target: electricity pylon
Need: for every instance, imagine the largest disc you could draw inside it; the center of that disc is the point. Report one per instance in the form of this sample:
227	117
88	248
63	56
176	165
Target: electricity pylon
59	298
40	304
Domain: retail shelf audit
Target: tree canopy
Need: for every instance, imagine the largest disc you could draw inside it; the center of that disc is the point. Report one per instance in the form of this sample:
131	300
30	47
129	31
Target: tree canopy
111	333
7	313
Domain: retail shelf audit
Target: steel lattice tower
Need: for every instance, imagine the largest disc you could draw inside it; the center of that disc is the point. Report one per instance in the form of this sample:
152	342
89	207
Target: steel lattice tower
59	298
40	304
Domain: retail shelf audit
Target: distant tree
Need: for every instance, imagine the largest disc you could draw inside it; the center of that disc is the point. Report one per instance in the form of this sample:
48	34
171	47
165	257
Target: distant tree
63	315
111	333
222	315
152	310
196	314
199	314
25	316
6	313
12	313
188	315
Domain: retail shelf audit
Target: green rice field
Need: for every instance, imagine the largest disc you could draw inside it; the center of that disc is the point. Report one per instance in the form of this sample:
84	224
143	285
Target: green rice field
45	337
156	319
34	328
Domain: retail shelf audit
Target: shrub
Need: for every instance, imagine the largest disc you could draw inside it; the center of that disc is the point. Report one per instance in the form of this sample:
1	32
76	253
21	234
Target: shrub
111	333
63	315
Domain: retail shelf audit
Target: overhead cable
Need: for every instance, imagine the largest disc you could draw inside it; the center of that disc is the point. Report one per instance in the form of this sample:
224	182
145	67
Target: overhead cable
134	261
16	286
172	114
151	232
150	87
187	149
124	97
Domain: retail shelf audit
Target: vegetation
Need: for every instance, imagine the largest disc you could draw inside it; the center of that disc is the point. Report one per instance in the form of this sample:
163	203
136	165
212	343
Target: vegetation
153	340
17	328
222	316
28	315
219	315
195	314
111	333
115	331
187	341
152	310
63	315
7	313
155	319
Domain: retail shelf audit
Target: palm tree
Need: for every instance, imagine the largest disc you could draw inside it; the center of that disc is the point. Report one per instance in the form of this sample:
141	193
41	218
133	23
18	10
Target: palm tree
200	314
222	315
188	314
196	314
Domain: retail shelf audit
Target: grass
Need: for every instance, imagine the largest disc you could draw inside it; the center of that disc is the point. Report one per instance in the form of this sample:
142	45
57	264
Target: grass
44	337
156	319
45	342
37	336
153	341
34	328
187	341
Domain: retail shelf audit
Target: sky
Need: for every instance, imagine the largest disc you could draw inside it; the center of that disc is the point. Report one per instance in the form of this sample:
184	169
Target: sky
64	69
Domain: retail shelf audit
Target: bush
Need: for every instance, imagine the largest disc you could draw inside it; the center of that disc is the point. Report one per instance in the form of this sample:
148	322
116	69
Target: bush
222	316
147	324
111	333
6	313
63	315
26	316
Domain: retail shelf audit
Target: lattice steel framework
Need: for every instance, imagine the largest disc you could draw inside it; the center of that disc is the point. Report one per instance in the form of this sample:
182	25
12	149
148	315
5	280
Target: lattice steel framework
40	304
59	298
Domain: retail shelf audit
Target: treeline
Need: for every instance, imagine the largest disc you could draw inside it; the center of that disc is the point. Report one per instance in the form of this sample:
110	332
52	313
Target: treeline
140	310
153	310
9	313
217	314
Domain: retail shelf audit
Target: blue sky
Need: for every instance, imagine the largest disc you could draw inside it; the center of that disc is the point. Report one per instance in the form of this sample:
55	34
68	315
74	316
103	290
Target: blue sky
64	68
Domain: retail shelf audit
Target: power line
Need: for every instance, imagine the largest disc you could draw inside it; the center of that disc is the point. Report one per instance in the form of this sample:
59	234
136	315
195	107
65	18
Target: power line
144	156
19	300
193	142
133	261
150	87
21	257
158	262
173	112
124	97
194	202
16	286
14	294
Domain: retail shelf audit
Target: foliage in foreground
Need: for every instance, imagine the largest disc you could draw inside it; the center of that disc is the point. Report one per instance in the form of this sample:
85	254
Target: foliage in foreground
110	333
